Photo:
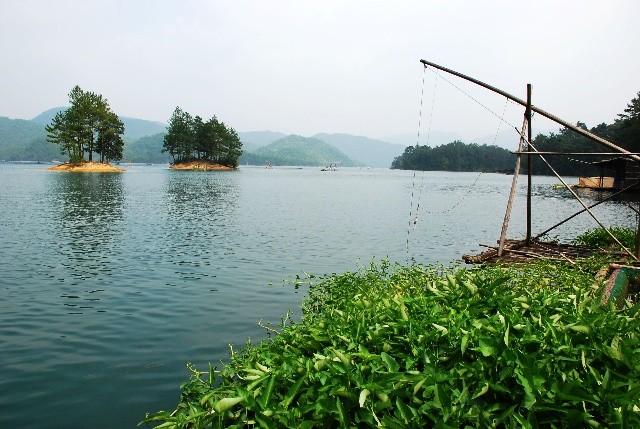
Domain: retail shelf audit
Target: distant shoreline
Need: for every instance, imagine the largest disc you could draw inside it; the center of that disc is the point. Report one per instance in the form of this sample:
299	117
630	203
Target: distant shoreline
87	167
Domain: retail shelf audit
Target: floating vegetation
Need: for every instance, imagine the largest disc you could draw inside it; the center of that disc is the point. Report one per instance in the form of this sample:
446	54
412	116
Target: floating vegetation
418	347
600	239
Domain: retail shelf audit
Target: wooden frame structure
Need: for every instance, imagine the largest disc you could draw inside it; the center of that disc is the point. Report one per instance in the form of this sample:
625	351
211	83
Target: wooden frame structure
526	148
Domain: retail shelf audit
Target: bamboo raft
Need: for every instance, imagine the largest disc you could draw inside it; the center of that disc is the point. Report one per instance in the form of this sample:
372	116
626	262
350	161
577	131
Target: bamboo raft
518	251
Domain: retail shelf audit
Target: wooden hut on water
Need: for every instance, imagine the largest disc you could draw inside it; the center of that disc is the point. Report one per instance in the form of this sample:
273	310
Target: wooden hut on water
626	173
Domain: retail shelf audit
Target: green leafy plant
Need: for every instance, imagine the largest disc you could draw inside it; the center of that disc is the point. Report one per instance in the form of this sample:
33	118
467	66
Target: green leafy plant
598	238
401	347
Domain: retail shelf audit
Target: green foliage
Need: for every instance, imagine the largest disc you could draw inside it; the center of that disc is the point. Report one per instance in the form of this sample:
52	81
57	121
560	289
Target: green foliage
88	126
625	132
304	151
598	238
189	138
455	156
628	125
567	140
529	346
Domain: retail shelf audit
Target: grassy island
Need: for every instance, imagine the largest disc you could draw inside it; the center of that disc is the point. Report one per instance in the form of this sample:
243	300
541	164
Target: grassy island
87	167
519	346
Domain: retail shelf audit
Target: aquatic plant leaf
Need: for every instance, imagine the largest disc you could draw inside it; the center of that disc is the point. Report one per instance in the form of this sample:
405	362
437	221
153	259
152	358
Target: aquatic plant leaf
225	404
487	348
390	362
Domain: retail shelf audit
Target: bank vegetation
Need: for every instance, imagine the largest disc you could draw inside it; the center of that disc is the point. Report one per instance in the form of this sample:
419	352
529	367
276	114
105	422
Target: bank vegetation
522	346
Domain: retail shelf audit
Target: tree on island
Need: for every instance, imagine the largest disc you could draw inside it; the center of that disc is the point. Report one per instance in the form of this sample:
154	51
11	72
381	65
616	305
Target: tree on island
625	132
189	138
454	156
88	126
628	125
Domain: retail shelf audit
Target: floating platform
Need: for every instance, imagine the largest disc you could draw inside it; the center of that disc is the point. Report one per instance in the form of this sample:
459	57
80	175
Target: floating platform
519	251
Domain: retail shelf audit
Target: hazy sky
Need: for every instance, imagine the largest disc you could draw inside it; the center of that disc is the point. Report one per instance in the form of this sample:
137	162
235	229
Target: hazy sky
323	66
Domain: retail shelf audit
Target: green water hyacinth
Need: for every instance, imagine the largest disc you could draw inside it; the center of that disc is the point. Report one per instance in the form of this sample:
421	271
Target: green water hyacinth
433	347
598	238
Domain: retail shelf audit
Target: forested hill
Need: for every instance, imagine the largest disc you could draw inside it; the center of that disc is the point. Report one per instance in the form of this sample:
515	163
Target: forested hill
24	140
455	156
624	132
298	150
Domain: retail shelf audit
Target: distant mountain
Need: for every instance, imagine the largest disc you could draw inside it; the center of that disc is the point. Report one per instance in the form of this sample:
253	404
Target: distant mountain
22	139
146	149
256	139
133	128
432	138
298	150
372	153
19	130
136	128
47	116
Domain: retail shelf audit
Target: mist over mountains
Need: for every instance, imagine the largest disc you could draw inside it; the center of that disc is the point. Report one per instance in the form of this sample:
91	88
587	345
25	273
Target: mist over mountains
26	140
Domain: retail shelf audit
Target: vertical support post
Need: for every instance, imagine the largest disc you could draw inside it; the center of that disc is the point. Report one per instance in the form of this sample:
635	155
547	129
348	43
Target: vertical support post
637	250
514	187
529	166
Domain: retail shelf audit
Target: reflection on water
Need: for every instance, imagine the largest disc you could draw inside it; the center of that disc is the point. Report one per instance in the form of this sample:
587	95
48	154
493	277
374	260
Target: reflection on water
200	212
198	196
88	213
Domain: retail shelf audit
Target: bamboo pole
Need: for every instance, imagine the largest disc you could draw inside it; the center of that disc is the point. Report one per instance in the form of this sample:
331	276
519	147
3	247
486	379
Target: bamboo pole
575	153
514	185
535	109
637	242
527	115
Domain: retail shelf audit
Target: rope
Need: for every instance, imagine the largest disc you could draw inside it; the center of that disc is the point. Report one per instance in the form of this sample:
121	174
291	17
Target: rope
410	213
472	98
459	201
433	102
504	109
420	114
413	216
413	184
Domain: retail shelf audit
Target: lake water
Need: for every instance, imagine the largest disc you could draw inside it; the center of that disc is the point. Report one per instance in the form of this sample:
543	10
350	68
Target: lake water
111	283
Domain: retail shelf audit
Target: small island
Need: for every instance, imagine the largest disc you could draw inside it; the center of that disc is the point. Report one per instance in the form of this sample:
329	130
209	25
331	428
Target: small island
201	146
200	165
87	167
87	127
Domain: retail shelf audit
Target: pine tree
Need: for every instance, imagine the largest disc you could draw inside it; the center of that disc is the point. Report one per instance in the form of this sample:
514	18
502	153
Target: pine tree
88	126
190	138
628	126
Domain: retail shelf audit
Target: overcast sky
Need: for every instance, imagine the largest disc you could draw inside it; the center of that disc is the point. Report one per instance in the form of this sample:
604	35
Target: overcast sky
330	66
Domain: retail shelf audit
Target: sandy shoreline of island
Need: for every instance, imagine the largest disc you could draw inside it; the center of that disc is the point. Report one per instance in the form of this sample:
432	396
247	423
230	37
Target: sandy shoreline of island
87	167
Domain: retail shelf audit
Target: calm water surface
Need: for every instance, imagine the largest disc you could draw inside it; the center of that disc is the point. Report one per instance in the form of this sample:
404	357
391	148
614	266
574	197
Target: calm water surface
111	283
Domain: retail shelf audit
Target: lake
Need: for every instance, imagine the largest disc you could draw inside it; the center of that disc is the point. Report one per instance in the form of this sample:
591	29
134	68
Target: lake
111	283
